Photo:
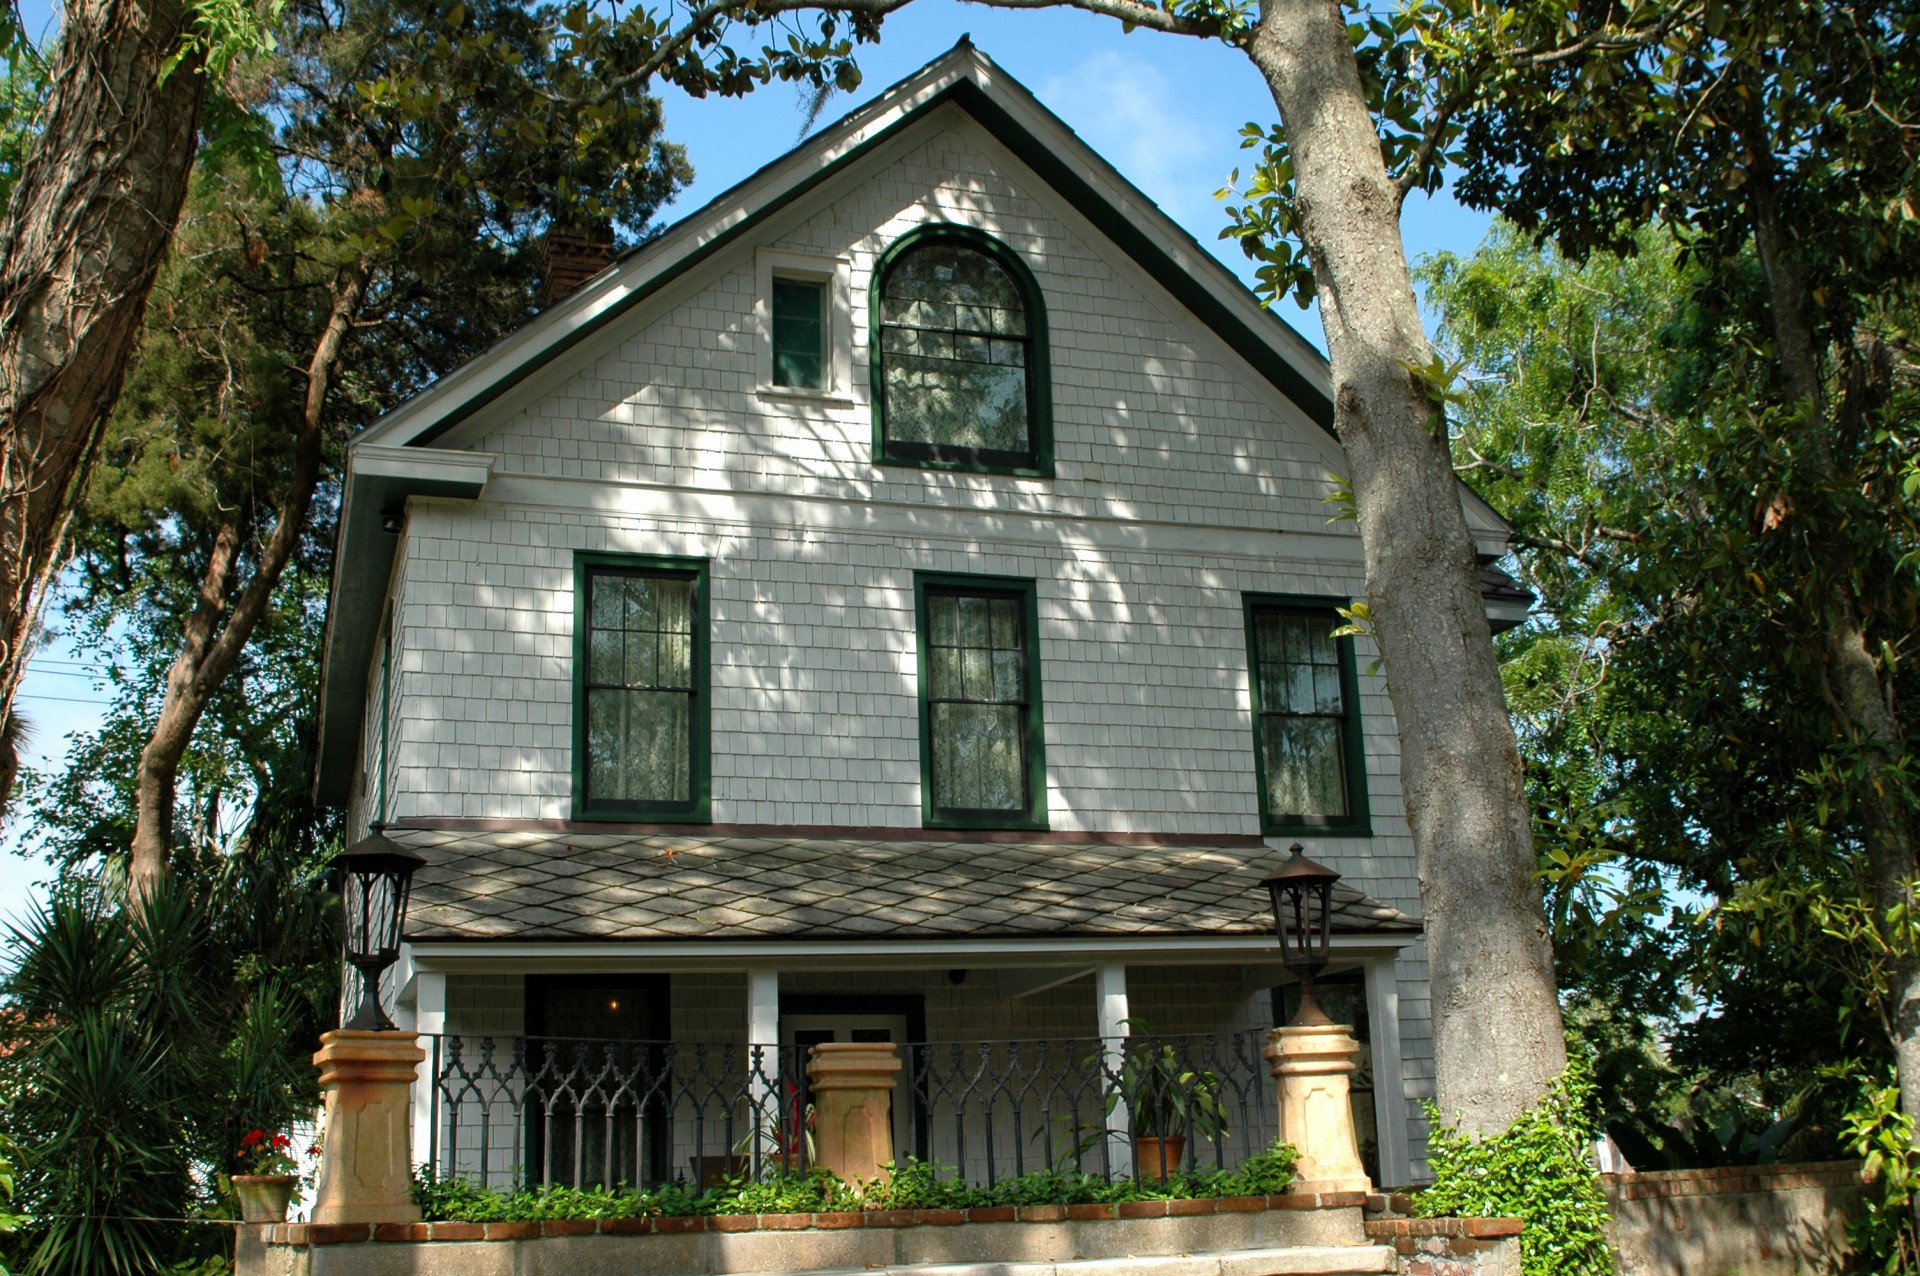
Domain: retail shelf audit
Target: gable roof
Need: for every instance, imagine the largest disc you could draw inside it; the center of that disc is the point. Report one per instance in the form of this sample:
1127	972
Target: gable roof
968	79
395	457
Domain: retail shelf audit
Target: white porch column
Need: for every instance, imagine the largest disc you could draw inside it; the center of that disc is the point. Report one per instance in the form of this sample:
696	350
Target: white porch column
430	1020
763	1070
1389	1084
1110	1009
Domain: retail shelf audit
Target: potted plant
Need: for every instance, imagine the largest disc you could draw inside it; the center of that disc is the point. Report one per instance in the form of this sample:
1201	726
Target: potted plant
1166	1103
269	1176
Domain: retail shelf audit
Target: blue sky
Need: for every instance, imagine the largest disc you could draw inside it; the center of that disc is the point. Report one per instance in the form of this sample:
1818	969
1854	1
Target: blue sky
1165	110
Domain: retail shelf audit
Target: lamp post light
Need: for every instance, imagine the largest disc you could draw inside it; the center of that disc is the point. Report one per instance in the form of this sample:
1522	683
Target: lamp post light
1312	1058
376	877
1302	894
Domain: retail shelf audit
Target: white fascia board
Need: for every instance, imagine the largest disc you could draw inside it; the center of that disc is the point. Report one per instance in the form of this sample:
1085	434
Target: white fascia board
422	465
909	954
1492	533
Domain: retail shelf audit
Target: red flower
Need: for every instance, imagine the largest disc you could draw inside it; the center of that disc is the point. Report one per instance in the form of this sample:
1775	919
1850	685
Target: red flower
252	1137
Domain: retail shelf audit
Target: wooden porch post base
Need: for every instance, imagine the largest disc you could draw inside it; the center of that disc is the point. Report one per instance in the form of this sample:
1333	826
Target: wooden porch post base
366	1164
1311	1065
853	1107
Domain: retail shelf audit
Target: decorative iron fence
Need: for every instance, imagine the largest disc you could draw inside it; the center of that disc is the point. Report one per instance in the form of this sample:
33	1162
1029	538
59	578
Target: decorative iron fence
509	1111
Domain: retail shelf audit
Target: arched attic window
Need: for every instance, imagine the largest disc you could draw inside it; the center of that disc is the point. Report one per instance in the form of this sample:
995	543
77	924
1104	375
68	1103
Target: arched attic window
959	349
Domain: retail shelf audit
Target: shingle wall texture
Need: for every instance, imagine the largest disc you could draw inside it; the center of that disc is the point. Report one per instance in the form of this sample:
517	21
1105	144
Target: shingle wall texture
1183	479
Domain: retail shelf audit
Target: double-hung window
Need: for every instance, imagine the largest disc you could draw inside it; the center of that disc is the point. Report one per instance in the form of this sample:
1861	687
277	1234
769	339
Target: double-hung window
1306	727
959	356
982	760
640	688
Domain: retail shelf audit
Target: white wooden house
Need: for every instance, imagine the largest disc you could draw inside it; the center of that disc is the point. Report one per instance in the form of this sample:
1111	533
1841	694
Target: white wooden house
835	619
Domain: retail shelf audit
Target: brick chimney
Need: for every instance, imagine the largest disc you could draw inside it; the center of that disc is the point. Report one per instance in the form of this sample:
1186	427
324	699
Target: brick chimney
573	257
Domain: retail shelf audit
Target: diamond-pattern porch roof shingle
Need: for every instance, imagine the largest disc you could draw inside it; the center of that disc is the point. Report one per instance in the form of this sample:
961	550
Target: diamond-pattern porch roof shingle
539	885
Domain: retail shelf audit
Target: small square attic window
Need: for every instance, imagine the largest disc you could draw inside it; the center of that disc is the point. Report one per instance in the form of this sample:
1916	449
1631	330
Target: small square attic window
803	324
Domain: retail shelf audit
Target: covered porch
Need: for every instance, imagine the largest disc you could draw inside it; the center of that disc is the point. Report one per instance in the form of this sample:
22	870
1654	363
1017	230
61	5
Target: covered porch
636	1006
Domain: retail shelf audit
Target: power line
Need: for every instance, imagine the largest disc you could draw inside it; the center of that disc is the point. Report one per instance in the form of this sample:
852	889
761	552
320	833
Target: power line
28	695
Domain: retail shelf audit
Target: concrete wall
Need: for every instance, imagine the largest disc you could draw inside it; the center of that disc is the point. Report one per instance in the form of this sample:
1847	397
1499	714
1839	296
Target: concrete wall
1257	1236
1773	1220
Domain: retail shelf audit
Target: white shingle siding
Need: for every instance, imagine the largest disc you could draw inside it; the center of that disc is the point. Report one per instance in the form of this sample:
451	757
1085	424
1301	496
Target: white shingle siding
1183	478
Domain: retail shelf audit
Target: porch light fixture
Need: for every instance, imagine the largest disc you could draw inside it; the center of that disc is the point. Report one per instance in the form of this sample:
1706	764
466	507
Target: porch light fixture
376	877
1302	894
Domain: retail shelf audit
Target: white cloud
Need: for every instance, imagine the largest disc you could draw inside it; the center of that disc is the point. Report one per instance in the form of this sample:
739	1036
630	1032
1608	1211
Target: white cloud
1128	110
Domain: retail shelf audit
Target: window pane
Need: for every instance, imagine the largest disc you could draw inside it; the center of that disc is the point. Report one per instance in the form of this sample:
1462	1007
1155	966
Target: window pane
945	669
637	746
799	333
1326	689
976	673
973	621
1008	676
609	594
1305	765
978	763
953	403
642	665
943	612
606	657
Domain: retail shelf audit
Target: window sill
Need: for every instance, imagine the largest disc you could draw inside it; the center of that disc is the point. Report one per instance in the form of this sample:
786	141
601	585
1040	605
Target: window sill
789	394
1358	828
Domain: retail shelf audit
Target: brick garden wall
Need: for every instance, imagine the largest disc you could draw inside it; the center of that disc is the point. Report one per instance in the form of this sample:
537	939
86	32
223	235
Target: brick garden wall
1756	1220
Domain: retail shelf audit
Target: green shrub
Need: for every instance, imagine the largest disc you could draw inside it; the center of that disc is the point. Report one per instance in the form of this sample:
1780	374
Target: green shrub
912	1184
1882	1234
1536	1170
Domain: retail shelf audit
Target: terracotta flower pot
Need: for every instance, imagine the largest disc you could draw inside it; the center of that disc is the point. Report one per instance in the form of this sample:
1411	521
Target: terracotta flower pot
264	1197
1159	1157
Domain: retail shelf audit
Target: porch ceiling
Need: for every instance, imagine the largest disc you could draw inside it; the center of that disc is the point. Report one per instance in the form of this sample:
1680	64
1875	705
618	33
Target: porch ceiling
544	886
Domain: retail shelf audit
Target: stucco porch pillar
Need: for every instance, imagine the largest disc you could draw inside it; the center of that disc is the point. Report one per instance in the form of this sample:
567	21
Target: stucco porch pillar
366	1169
852	1085
1312	1065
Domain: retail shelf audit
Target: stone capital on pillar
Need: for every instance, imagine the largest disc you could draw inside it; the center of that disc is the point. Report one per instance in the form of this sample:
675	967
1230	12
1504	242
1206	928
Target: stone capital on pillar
366	1170
1312	1065
853	1107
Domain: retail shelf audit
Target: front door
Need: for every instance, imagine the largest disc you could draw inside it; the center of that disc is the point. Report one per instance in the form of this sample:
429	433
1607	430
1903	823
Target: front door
802	1031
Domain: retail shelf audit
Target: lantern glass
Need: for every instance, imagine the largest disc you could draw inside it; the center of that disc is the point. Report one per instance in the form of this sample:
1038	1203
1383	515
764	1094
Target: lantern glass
376	879
1302	896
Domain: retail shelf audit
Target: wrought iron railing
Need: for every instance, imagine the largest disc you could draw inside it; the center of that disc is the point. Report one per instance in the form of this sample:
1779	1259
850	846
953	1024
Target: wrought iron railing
507	1111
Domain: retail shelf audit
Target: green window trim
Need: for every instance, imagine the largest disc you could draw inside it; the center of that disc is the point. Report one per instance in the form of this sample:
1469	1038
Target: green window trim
697	808
1034	817
1037	461
1358	820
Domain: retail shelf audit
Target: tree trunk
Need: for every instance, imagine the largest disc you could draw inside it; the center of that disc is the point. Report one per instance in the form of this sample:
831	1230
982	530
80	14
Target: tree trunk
1498	1040
209	648
84	233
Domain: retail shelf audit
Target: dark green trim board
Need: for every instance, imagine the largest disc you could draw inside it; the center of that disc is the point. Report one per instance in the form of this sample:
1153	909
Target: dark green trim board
698	809
1038	460
1035	816
1358	822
